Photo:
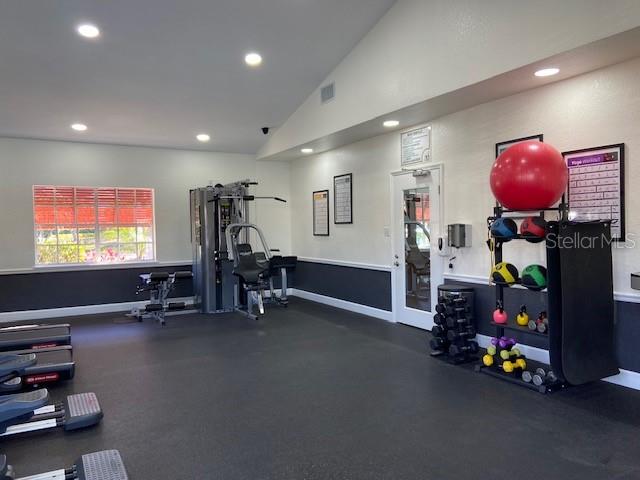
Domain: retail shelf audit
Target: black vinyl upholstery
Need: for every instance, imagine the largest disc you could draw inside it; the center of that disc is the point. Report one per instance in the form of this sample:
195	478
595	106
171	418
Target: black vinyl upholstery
248	268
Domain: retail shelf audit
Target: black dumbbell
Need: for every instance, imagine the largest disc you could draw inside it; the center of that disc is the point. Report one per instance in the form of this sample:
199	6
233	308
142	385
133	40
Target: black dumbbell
458	350
438	343
457	322
439	319
437	331
468	332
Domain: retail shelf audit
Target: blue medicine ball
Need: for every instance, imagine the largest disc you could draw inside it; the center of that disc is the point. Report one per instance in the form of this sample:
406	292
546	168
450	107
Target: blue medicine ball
504	229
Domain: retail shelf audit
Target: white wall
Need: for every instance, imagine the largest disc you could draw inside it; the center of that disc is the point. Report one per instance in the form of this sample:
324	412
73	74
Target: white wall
599	108
24	163
370	161
424	48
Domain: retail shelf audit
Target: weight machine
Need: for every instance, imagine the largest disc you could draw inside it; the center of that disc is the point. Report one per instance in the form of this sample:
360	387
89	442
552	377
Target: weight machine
220	283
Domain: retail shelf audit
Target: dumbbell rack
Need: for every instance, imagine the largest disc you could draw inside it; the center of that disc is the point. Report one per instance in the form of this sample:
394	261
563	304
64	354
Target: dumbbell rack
454	330
499	211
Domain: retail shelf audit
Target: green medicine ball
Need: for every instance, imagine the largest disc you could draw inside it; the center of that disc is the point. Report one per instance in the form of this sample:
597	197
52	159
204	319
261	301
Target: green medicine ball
534	277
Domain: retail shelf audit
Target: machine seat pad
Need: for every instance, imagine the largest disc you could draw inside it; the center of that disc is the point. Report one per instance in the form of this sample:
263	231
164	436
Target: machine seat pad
15	406
278	261
183	274
158	276
16	364
105	465
82	410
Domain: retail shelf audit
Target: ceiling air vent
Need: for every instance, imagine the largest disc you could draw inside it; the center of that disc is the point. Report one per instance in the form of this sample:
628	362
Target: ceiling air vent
328	92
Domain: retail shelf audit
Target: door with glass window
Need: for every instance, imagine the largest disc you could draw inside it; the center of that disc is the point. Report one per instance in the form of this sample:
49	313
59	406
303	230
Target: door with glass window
417	268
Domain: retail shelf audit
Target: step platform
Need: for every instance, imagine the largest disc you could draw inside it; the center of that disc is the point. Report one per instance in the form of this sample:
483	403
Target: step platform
104	465
29	412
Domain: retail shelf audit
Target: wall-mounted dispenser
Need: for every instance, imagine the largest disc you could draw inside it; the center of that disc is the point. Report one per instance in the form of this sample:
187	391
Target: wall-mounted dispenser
459	235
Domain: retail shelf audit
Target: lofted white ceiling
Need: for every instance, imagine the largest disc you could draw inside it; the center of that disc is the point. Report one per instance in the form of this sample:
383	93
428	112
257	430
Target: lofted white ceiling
164	70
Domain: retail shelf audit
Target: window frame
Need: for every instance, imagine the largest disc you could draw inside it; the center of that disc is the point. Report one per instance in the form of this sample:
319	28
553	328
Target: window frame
96	226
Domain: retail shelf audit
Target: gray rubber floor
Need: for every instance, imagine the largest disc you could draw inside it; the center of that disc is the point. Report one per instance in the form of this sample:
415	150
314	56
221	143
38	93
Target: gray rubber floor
312	392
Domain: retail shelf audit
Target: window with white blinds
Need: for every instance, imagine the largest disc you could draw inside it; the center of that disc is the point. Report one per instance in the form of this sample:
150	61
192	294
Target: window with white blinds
86	225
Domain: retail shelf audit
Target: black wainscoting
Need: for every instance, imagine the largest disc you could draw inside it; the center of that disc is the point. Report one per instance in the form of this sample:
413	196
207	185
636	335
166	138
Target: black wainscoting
41	290
627	319
358	285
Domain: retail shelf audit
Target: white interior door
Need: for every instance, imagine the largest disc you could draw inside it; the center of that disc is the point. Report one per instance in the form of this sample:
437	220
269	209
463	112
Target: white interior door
417	267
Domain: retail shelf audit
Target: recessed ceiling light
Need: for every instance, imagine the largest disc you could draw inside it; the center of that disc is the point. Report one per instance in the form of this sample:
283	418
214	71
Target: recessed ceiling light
391	123
88	30
306	150
79	127
203	137
253	59
547	72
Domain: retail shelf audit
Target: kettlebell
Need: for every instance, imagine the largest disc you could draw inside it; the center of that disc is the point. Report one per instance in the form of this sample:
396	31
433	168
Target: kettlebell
499	315
522	318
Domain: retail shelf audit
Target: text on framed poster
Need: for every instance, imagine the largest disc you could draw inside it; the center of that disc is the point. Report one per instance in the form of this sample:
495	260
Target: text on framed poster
596	186
415	146
321	213
343	199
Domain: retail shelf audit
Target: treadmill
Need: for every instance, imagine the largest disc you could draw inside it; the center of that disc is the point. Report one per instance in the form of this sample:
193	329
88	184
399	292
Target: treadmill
105	465
51	365
26	337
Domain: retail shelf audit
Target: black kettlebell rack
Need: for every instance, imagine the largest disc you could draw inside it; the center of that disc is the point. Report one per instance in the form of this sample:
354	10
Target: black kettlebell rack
498	212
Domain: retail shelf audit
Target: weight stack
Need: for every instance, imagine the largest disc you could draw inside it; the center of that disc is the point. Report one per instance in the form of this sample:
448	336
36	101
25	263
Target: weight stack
453	336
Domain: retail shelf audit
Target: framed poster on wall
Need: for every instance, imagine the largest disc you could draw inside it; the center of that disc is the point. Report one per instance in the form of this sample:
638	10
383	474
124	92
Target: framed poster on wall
596	186
502	146
343	199
415	146
321	213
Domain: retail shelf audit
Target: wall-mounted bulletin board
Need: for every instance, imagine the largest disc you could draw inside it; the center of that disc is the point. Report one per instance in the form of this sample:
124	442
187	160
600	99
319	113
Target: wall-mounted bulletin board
321	213
596	186
343	199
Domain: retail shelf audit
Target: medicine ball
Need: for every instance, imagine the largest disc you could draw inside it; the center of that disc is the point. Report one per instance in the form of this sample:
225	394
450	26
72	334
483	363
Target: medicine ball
504	273
533	229
534	277
504	229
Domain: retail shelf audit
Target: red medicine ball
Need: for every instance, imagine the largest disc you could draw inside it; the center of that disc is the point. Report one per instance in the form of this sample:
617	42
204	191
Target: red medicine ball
529	175
533	229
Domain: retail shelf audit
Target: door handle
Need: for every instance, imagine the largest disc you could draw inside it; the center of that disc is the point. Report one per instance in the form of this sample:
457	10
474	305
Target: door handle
396	264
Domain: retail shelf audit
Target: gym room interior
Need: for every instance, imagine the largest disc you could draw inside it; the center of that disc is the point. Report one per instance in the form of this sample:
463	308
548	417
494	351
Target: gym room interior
319	239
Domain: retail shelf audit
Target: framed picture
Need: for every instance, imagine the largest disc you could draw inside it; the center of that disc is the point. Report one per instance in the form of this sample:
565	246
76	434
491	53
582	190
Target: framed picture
415	146
343	199
596	186
502	146
321	213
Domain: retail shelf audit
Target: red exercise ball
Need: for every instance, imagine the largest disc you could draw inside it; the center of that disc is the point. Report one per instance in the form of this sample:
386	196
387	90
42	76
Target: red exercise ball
529	175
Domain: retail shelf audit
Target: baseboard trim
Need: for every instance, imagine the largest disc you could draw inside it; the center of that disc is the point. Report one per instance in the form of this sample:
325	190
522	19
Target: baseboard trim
23	315
344	304
625	378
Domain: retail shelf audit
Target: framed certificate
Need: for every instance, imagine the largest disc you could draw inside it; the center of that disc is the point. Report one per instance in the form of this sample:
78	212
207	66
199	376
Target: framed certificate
343	199
321	213
415	146
596	186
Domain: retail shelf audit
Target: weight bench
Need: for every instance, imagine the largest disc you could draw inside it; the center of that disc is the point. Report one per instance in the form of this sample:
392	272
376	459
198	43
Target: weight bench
159	285
104	465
